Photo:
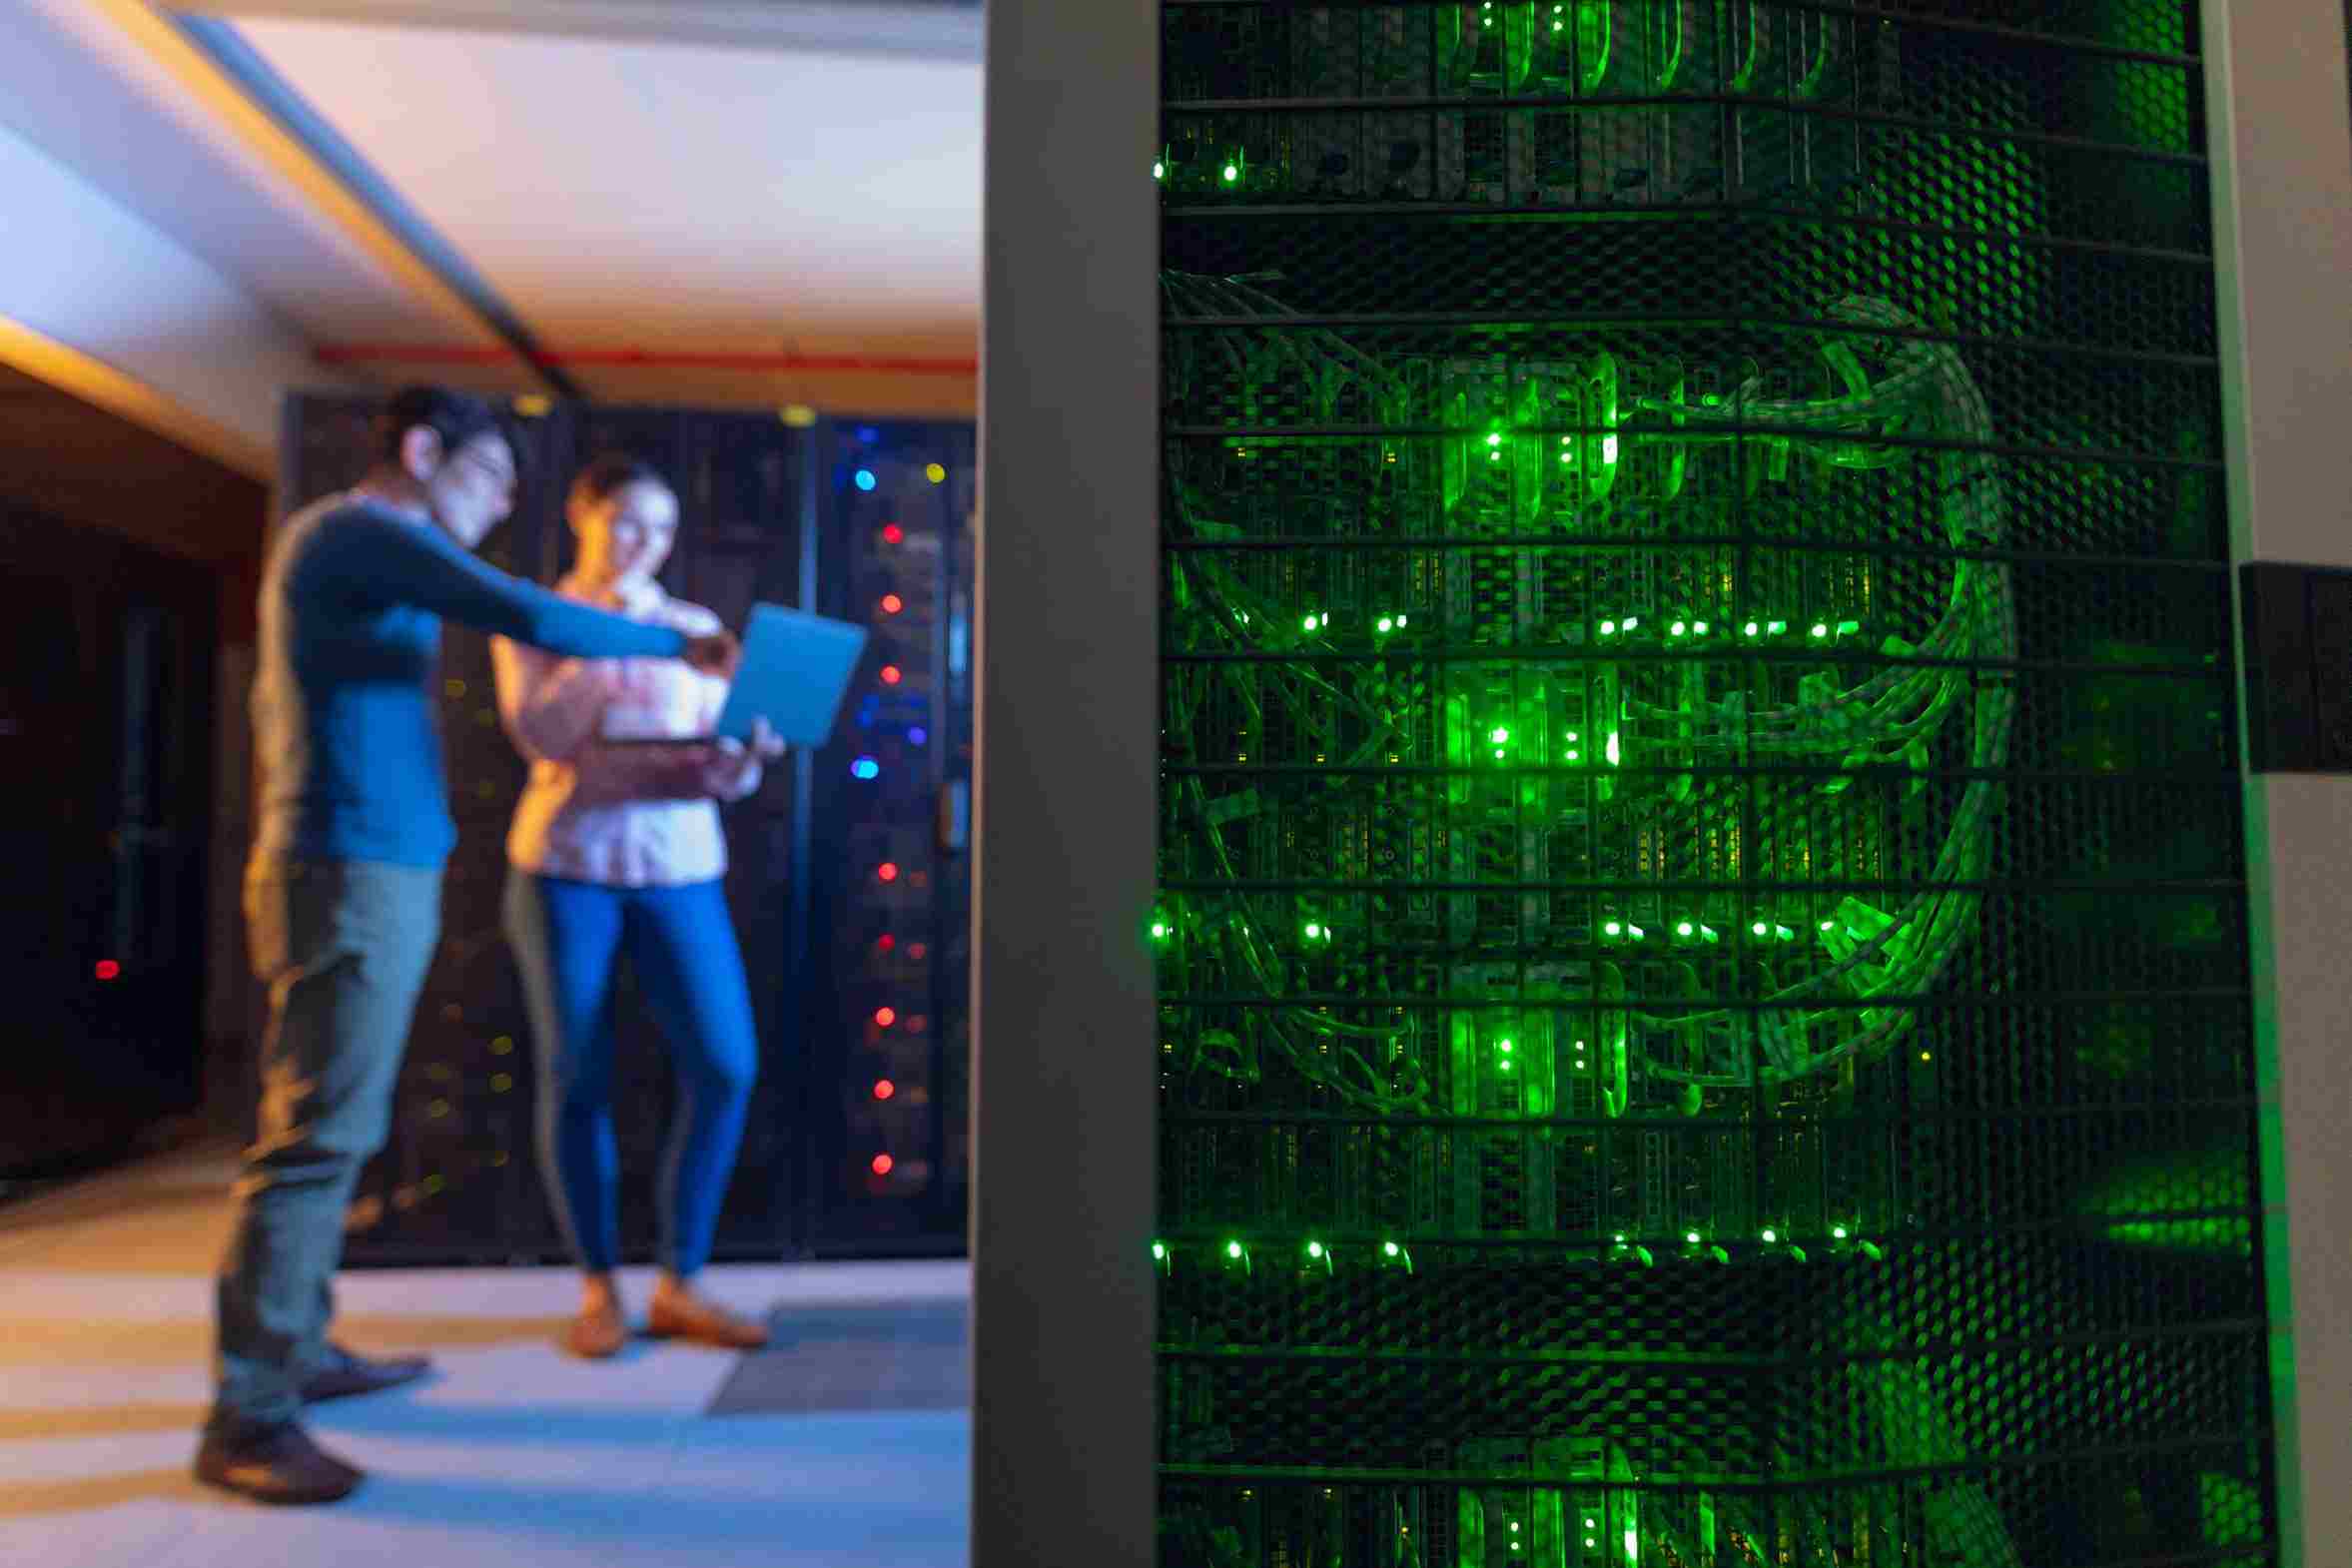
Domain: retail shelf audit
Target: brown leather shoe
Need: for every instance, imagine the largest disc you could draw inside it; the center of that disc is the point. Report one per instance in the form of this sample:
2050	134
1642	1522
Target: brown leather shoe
597	1334
685	1315
274	1464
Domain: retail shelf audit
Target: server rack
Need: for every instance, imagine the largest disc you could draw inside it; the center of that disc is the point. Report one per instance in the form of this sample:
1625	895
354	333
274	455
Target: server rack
459	1181
1704	1010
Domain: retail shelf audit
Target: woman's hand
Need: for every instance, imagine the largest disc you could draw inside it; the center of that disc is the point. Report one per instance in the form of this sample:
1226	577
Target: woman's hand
714	653
734	768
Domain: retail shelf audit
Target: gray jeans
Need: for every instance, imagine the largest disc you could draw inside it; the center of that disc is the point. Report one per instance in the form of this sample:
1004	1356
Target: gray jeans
343	947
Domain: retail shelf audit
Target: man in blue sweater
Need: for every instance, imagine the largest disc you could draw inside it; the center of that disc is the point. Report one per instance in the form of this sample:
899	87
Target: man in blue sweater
342	892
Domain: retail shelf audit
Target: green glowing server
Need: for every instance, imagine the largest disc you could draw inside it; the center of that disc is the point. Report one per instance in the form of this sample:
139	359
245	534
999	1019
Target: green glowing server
1701	987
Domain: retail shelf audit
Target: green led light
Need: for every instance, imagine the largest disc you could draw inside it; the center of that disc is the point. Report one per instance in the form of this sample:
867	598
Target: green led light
1500	736
1608	628
1678	628
1158	170
1846	628
1232	1250
1608	448
1820	628
1313	931
1158	931
1390	1248
1387	624
1160	1249
1567	456
1684	929
1400	620
1838	1234
1691	1237
1495	439
1504	1047
1315	1249
1770	1236
1610	751
1632	621
1574	755
1233	173
1777	627
1699	628
1612	929
1750	630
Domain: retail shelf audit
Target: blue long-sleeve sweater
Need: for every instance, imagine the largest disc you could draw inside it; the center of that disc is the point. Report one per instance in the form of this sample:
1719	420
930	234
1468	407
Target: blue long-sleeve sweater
351	604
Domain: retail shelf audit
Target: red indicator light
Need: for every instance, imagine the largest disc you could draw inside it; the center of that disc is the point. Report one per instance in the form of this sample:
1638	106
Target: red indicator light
918	950
886	872
886	1016
887	943
892	533
891	675
884	1089
107	969
883	1165
892	604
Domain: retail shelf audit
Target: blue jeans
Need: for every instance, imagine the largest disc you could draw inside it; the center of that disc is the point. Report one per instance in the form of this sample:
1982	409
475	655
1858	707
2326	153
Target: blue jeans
343	947
569	938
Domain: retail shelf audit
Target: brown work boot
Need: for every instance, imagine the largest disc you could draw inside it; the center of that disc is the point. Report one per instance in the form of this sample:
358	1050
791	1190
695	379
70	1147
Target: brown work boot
598	1332
275	1463
678	1313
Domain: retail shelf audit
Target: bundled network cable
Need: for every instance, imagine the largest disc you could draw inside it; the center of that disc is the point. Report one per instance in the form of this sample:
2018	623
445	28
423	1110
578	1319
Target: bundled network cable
1907	401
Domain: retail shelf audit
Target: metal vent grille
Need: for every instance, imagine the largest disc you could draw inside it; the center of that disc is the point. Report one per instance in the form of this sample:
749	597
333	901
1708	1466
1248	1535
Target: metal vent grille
1703	999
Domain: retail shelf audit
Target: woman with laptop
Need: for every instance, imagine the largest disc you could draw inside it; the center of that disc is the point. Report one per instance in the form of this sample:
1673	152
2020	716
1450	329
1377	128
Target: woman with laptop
616	851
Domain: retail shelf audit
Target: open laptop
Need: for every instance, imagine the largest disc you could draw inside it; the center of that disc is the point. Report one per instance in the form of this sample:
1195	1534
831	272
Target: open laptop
795	671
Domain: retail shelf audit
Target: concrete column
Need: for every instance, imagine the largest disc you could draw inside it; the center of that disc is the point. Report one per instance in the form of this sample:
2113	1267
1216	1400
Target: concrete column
2282	202
1063	830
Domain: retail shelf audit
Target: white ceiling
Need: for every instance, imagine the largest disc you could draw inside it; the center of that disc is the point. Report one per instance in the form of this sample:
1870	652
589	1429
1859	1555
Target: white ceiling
691	196
73	84
618	193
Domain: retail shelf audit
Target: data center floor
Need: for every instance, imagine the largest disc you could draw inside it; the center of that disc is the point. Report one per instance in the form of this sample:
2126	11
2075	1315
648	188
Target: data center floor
515	1455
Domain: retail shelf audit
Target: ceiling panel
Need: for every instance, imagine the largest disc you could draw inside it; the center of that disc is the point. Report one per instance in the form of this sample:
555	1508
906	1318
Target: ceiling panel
85	93
669	197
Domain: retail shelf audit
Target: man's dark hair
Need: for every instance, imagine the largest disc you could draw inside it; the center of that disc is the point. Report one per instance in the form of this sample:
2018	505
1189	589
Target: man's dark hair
612	472
455	417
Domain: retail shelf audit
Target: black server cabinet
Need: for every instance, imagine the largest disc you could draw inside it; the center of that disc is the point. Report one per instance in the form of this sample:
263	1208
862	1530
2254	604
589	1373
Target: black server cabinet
106	745
459	1181
890	903
1702	954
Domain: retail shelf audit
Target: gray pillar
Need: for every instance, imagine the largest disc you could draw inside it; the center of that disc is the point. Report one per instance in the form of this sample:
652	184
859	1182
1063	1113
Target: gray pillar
1064	828
2282	202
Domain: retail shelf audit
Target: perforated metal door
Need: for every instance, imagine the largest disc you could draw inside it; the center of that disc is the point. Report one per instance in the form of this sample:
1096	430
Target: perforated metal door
1701	938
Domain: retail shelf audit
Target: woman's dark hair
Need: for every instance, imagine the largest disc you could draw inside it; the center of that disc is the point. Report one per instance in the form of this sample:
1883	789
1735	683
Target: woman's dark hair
609	475
457	417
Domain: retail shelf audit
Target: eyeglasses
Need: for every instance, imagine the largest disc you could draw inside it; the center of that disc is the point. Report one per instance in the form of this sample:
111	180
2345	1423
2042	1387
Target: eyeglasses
500	475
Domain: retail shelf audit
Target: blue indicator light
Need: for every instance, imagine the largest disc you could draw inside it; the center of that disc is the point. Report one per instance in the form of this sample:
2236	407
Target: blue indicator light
865	478
864	768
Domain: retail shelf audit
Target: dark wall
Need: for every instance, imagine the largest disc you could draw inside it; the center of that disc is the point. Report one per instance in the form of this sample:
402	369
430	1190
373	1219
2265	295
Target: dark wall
106	694
132	563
